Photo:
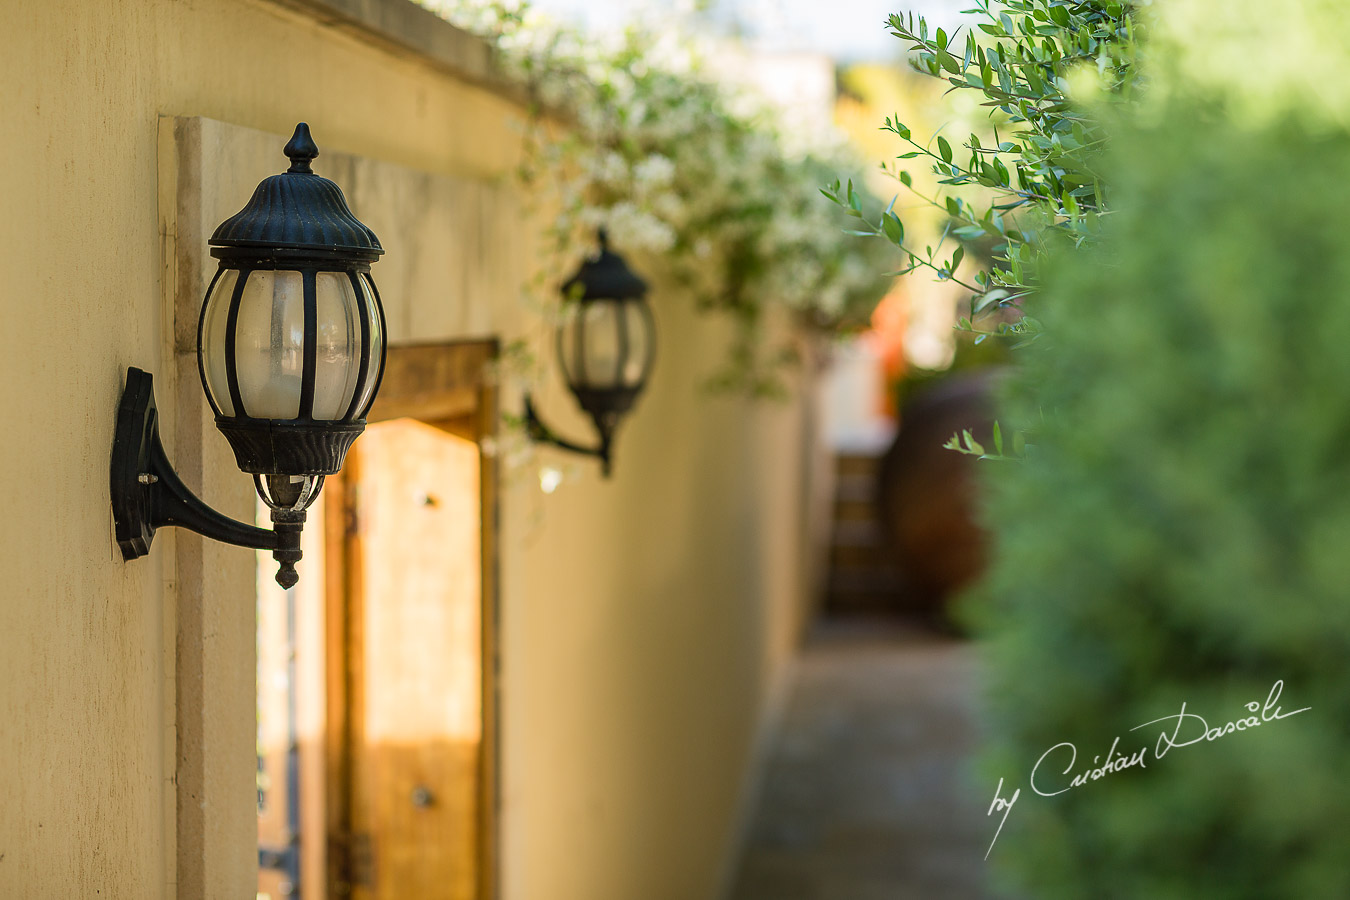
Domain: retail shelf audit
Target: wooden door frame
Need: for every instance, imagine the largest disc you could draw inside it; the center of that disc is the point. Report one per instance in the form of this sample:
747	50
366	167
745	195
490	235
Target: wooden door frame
446	385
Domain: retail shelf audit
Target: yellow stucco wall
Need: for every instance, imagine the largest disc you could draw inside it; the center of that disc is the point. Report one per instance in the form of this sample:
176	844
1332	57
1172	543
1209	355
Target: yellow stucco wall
633	683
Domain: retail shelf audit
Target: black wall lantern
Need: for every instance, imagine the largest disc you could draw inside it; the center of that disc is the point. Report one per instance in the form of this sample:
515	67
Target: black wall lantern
290	348
606	346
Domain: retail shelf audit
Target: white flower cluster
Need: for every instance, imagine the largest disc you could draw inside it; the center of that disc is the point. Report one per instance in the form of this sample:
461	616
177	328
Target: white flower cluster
691	170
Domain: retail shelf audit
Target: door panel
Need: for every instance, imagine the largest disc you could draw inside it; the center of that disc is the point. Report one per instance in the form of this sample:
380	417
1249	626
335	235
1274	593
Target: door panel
416	674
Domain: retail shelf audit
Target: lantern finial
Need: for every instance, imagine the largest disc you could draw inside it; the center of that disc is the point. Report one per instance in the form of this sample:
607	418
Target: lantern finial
301	149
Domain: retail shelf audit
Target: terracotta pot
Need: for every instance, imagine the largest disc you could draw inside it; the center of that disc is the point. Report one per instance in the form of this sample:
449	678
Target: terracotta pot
927	494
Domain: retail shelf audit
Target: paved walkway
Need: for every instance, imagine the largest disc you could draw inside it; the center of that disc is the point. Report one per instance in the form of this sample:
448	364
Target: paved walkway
866	796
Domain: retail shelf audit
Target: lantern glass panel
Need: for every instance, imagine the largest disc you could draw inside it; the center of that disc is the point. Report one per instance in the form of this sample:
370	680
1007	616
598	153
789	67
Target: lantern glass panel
212	347
639	342
288	491
601	348
606	344
338	348
270	344
376	343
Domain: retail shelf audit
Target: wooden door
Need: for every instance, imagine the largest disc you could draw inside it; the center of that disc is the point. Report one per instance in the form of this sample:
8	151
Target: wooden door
412	647
417	709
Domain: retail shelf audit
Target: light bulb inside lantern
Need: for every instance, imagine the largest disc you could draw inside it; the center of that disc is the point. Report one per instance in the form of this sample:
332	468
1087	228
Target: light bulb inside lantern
288	492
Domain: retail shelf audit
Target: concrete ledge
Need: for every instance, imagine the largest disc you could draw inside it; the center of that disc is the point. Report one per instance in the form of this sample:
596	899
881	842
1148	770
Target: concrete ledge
402	26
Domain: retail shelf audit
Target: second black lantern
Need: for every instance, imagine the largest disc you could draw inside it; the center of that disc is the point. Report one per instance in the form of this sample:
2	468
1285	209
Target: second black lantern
606	345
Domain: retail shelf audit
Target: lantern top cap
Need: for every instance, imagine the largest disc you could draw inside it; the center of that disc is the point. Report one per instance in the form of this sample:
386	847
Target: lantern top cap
605	276
298	210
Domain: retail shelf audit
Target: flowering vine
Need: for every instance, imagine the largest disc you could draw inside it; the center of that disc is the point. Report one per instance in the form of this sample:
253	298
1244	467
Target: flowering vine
688	171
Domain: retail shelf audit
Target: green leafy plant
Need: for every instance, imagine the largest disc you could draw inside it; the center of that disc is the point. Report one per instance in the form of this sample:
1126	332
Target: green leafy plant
965	443
1179	534
1031	182
1033	62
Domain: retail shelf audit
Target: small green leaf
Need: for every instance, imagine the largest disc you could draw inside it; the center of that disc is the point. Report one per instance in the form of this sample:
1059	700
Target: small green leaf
893	227
988	299
944	149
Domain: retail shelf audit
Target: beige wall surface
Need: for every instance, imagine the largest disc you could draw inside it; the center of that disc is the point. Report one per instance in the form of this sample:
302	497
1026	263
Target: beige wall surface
645	620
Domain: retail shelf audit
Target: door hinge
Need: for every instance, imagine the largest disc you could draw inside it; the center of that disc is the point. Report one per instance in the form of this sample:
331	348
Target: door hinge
350	510
357	867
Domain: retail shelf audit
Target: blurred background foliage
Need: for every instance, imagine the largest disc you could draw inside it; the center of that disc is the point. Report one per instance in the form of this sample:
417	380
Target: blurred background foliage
1178	529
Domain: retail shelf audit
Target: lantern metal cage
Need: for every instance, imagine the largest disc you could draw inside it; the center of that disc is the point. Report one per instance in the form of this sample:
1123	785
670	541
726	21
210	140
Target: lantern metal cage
290	351
606	347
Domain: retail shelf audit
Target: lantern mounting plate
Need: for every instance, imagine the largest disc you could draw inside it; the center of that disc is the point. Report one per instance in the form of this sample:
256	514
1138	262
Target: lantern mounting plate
147	493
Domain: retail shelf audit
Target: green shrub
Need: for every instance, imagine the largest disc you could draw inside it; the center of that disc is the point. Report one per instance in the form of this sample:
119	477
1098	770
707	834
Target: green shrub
1180	531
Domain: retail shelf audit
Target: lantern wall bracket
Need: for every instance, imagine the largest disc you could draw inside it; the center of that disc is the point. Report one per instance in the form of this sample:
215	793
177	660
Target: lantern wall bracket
147	493
542	434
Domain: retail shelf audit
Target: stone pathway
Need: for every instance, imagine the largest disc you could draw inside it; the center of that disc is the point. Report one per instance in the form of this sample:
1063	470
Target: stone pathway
866	796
